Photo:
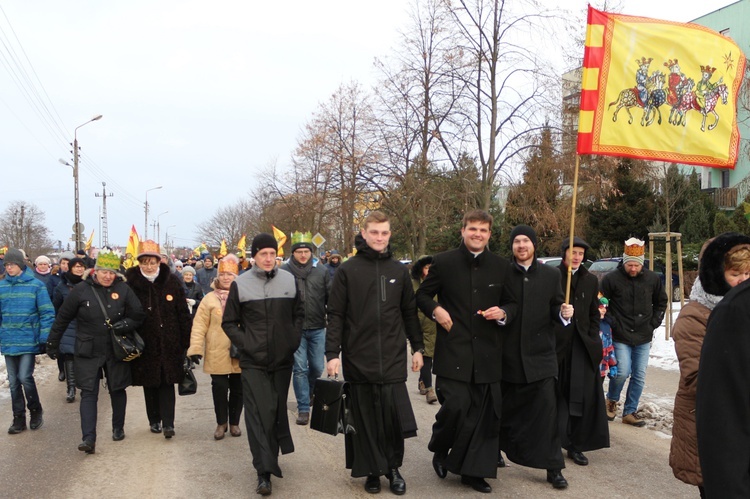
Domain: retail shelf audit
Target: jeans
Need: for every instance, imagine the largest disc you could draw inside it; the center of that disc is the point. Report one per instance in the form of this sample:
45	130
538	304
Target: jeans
309	361
21	379
631	361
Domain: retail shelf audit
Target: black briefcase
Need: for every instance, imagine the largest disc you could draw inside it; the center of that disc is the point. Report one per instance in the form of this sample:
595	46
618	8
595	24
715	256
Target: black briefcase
330	410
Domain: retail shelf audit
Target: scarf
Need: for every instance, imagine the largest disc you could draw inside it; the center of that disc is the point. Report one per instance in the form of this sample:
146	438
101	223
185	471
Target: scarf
150	278
72	278
222	295
49	269
300	273
699	294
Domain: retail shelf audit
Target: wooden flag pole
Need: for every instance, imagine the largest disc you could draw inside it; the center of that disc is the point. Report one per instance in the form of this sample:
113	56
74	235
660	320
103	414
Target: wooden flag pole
572	227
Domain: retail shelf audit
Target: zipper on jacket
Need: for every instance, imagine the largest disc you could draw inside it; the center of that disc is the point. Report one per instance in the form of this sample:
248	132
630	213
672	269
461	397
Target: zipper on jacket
381	284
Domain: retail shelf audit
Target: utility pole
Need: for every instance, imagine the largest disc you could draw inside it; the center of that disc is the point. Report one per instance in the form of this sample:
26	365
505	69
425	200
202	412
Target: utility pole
104	231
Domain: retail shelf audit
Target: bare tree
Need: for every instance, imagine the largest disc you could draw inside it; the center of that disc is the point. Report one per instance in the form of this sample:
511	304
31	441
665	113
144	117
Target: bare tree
22	226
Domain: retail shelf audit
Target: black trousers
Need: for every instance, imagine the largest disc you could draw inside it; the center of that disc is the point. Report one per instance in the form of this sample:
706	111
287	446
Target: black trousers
160	402
89	401
227	392
425	374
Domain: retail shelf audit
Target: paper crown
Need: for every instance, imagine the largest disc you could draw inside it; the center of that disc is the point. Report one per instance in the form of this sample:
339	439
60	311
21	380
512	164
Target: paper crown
229	263
635	247
108	260
300	237
148	248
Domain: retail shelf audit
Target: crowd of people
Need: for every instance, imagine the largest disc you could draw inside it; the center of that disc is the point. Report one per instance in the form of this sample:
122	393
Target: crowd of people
519	350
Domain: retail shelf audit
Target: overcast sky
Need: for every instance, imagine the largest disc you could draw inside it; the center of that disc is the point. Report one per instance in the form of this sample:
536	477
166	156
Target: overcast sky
197	97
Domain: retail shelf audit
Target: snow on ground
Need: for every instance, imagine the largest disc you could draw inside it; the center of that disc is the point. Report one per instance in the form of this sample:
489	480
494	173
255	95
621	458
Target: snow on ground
663	354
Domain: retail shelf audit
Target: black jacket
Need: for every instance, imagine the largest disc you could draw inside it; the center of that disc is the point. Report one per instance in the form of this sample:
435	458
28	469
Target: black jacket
61	291
636	305
93	343
584	293
529	347
464	285
314	290
371	313
263	318
166	330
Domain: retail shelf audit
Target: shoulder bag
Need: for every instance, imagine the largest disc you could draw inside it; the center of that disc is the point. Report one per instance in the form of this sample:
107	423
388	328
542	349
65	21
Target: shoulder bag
126	348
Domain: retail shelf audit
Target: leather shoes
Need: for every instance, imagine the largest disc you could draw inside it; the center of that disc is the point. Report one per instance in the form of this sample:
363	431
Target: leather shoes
155	427
398	485
556	478
118	434
234	430
438	464
220	431
476	483
168	432
303	418
264	484
87	446
372	484
500	461
578	457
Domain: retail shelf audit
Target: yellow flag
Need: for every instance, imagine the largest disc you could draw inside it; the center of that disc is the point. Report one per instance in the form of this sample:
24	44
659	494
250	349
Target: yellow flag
132	248
89	242
241	245
223	249
660	91
280	238
200	249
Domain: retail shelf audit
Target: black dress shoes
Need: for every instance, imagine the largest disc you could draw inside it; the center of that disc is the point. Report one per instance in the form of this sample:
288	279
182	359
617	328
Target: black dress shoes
87	446
476	483
556	478
168	432
500	460
372	484
264	484
118	434
397	483
155	427
438	464
578	457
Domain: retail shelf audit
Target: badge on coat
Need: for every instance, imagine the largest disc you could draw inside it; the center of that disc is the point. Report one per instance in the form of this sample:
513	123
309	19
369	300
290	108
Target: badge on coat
170	298
115	296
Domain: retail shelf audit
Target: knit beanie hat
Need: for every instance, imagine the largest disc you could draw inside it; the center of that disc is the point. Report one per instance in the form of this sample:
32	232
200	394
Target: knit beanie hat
67	255
42	259
263	241
635	251
187	269
76	261
16	256
523	230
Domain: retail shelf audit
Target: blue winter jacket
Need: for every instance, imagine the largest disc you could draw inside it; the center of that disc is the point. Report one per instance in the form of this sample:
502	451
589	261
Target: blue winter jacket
26	314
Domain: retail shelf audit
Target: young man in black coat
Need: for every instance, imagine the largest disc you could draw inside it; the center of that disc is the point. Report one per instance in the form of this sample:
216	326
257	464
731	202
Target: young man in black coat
528	431
583	420
371	313
473	305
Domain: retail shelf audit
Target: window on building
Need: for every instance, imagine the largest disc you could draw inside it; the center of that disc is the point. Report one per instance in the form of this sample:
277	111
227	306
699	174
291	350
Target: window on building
725	179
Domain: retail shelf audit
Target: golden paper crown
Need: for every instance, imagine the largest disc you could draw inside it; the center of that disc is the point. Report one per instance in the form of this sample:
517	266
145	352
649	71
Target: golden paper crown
148	248
300	237
107	260
229	263
635	247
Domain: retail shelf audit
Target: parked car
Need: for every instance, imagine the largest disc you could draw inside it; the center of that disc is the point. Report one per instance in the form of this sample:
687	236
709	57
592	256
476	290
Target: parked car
555	261
602	267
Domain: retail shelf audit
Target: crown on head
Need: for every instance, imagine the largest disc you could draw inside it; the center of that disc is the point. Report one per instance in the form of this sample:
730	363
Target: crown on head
707	69
643	61
301	237
671	64
108	260
635	247
149	246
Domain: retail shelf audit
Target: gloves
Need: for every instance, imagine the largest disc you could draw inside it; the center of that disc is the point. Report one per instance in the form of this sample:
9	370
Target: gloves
196	359
52	349
612	372
191	302
121	327
42	348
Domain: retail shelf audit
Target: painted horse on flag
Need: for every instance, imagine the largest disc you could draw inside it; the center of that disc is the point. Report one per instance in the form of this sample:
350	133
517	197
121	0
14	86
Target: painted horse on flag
655	97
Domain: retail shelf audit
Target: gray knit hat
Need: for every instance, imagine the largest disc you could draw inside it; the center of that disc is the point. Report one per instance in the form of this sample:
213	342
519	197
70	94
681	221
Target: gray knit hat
16	256
67	255
187	269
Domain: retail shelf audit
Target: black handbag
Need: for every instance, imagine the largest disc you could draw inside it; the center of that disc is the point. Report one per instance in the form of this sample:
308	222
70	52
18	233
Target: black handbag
331	409
125	347
188	385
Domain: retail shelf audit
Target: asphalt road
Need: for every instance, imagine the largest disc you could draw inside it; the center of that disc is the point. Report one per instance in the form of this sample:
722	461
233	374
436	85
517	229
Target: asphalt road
46	463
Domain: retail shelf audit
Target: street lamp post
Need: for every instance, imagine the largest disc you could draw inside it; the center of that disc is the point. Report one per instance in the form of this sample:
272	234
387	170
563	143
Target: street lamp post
158	225
166	239
145	210
77	229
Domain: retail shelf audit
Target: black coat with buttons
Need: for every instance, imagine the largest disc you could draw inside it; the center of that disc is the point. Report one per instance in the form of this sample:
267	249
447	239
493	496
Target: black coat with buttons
464	286
529	349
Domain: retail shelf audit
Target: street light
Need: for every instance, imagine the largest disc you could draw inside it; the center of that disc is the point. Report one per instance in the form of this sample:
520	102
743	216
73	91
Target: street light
166	239
77	227
145	209
158	226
